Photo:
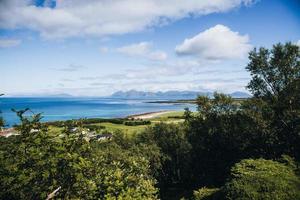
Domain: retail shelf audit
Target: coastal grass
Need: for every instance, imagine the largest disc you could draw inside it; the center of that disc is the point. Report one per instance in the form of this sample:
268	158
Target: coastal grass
121	127
170	117
171	114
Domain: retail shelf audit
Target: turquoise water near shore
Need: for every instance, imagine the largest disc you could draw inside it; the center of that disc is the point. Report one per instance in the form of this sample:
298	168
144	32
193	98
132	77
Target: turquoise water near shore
85	107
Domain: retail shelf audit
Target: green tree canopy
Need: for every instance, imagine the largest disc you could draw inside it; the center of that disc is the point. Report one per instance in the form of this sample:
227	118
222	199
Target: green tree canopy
38	162
262	179
275	85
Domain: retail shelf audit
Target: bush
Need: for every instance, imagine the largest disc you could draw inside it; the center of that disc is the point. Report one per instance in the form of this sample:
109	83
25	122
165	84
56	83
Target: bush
137	123
262	179
34	164
175	117
93	127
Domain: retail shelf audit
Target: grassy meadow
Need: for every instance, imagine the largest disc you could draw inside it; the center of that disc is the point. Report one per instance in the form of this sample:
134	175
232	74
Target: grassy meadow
170	117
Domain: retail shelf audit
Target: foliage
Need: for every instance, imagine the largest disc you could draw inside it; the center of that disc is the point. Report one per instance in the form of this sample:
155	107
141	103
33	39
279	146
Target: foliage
120	175
61	162
174	148
267	125
221	135
273	70
92	127
262	179
35	163
137	122
275	85
221	104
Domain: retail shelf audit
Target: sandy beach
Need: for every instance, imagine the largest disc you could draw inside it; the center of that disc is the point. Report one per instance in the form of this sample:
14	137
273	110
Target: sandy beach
149	115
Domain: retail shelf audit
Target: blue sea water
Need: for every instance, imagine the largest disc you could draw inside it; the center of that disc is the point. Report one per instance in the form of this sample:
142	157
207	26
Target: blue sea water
54	109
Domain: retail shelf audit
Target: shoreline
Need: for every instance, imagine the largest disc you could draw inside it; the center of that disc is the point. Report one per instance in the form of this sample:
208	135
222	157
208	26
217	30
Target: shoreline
149	115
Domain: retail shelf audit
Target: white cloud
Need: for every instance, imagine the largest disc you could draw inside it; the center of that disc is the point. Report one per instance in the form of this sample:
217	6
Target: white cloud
6	43
104	49
70	68
101	17
142	49
298	43
215	43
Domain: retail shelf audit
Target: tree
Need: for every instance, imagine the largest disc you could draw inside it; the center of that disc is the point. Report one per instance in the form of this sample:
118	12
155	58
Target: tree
273	70
275	85
220	104
262	179
174	148
21	156
38	162
221	134
120	174
187	114
35	163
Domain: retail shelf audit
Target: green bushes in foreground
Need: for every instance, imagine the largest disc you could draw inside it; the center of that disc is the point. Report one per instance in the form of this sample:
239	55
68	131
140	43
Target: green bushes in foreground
262	179
256	179
36	163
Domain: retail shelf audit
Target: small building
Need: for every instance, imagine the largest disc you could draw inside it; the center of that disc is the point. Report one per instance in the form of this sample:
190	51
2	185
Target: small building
105	136
8	132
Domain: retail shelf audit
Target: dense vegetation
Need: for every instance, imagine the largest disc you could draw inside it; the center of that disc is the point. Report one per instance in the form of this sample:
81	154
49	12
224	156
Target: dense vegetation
137	122
226	150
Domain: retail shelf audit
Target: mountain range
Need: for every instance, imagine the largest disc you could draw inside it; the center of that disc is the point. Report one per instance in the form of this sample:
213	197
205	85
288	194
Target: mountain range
134	94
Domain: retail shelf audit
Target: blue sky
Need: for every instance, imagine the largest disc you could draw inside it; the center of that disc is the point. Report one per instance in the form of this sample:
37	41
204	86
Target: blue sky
95	47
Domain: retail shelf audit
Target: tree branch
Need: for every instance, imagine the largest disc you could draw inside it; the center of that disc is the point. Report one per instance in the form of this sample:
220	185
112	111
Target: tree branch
52	194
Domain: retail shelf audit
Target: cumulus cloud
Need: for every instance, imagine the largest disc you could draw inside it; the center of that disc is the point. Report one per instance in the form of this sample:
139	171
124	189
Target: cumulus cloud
216	43
142	49
67	18
6	43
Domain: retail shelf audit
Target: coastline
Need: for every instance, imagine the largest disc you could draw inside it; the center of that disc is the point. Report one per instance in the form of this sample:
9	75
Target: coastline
149	115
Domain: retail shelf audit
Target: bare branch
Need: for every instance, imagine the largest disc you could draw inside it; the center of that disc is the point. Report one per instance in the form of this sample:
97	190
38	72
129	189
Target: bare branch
52	194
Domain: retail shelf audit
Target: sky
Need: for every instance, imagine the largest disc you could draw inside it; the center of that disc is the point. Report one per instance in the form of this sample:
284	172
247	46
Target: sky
97	47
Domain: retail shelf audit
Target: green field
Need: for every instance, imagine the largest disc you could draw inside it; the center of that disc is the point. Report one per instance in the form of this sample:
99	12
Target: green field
171	117
166	117
125	129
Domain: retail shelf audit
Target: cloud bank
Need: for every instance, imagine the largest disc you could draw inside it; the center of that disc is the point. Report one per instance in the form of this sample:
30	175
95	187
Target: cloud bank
69	18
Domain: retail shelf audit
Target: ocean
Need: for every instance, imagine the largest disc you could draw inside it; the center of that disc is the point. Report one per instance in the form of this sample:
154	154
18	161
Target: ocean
54	109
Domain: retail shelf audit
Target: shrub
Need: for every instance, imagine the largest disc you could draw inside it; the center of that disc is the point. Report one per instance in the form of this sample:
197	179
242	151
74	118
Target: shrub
262	179
137	123
93	127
